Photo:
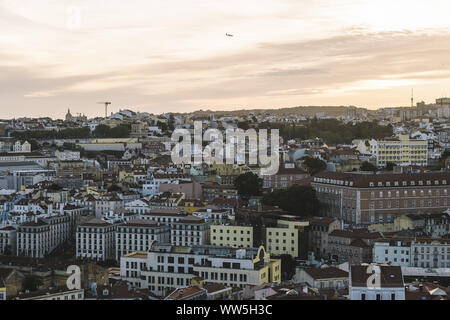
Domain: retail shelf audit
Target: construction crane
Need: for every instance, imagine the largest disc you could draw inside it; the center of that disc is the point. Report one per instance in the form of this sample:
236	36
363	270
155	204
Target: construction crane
106	107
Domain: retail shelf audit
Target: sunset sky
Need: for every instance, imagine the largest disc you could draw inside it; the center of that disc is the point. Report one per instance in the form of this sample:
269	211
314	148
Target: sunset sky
173	55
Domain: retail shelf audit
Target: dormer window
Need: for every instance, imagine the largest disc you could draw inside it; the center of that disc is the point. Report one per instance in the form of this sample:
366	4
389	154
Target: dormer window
371	184
413	183
420	183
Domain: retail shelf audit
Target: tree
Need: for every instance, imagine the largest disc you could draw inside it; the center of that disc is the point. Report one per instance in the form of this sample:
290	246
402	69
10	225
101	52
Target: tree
34	145
114	188
367	166
298	200
314	165
31	283
244	125
287	267
104	131
248	184
390	166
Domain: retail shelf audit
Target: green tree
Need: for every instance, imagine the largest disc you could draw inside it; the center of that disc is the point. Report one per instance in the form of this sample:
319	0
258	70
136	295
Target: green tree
248	184
287	267
367	166
298	200
390	166
314	165
31	283
114	188
104	131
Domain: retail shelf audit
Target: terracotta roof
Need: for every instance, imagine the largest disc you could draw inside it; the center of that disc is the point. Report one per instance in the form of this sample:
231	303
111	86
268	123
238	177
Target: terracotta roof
364	180
185	293
325	273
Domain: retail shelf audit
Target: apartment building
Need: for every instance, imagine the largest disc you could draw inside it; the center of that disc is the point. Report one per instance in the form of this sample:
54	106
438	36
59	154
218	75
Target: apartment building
318	232
401	151
33	239
41	236
284	178
352	246
166	267
285	237
232	235
138	234
95	240
396	252
106	204
430	253
67	155
213	190
359	198
189	231
8	240
22	147
214	216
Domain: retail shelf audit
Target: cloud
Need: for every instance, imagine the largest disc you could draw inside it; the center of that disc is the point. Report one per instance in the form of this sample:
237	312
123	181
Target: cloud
156	63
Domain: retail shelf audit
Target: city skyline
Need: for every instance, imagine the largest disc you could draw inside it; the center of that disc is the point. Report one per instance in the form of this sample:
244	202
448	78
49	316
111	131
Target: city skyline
177	58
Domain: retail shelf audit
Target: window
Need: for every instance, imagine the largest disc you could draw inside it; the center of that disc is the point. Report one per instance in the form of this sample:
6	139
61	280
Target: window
363	296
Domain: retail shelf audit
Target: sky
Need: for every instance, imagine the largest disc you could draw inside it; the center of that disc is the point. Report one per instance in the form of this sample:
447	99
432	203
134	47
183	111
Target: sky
173	55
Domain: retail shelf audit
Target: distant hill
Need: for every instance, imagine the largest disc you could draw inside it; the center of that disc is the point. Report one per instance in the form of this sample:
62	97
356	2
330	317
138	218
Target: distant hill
301	111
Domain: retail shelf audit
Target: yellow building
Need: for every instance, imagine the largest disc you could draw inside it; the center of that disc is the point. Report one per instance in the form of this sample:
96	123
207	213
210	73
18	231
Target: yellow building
235	236
256	270
2	294
228	169
284	238
402	151
126	176
191	205
269	269
400	223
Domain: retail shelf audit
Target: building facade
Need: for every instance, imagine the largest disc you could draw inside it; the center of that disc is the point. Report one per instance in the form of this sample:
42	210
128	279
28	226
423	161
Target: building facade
358	198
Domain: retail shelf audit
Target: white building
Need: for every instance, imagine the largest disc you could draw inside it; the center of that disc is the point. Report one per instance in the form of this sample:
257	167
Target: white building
430	253
8	242
67	155
166	267
41	236
376	282
95	240
138	234
22	146
392	251
106	204
189	231
214	216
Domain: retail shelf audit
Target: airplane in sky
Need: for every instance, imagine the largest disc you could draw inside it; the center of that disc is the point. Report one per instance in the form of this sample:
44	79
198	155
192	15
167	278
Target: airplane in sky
229	35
